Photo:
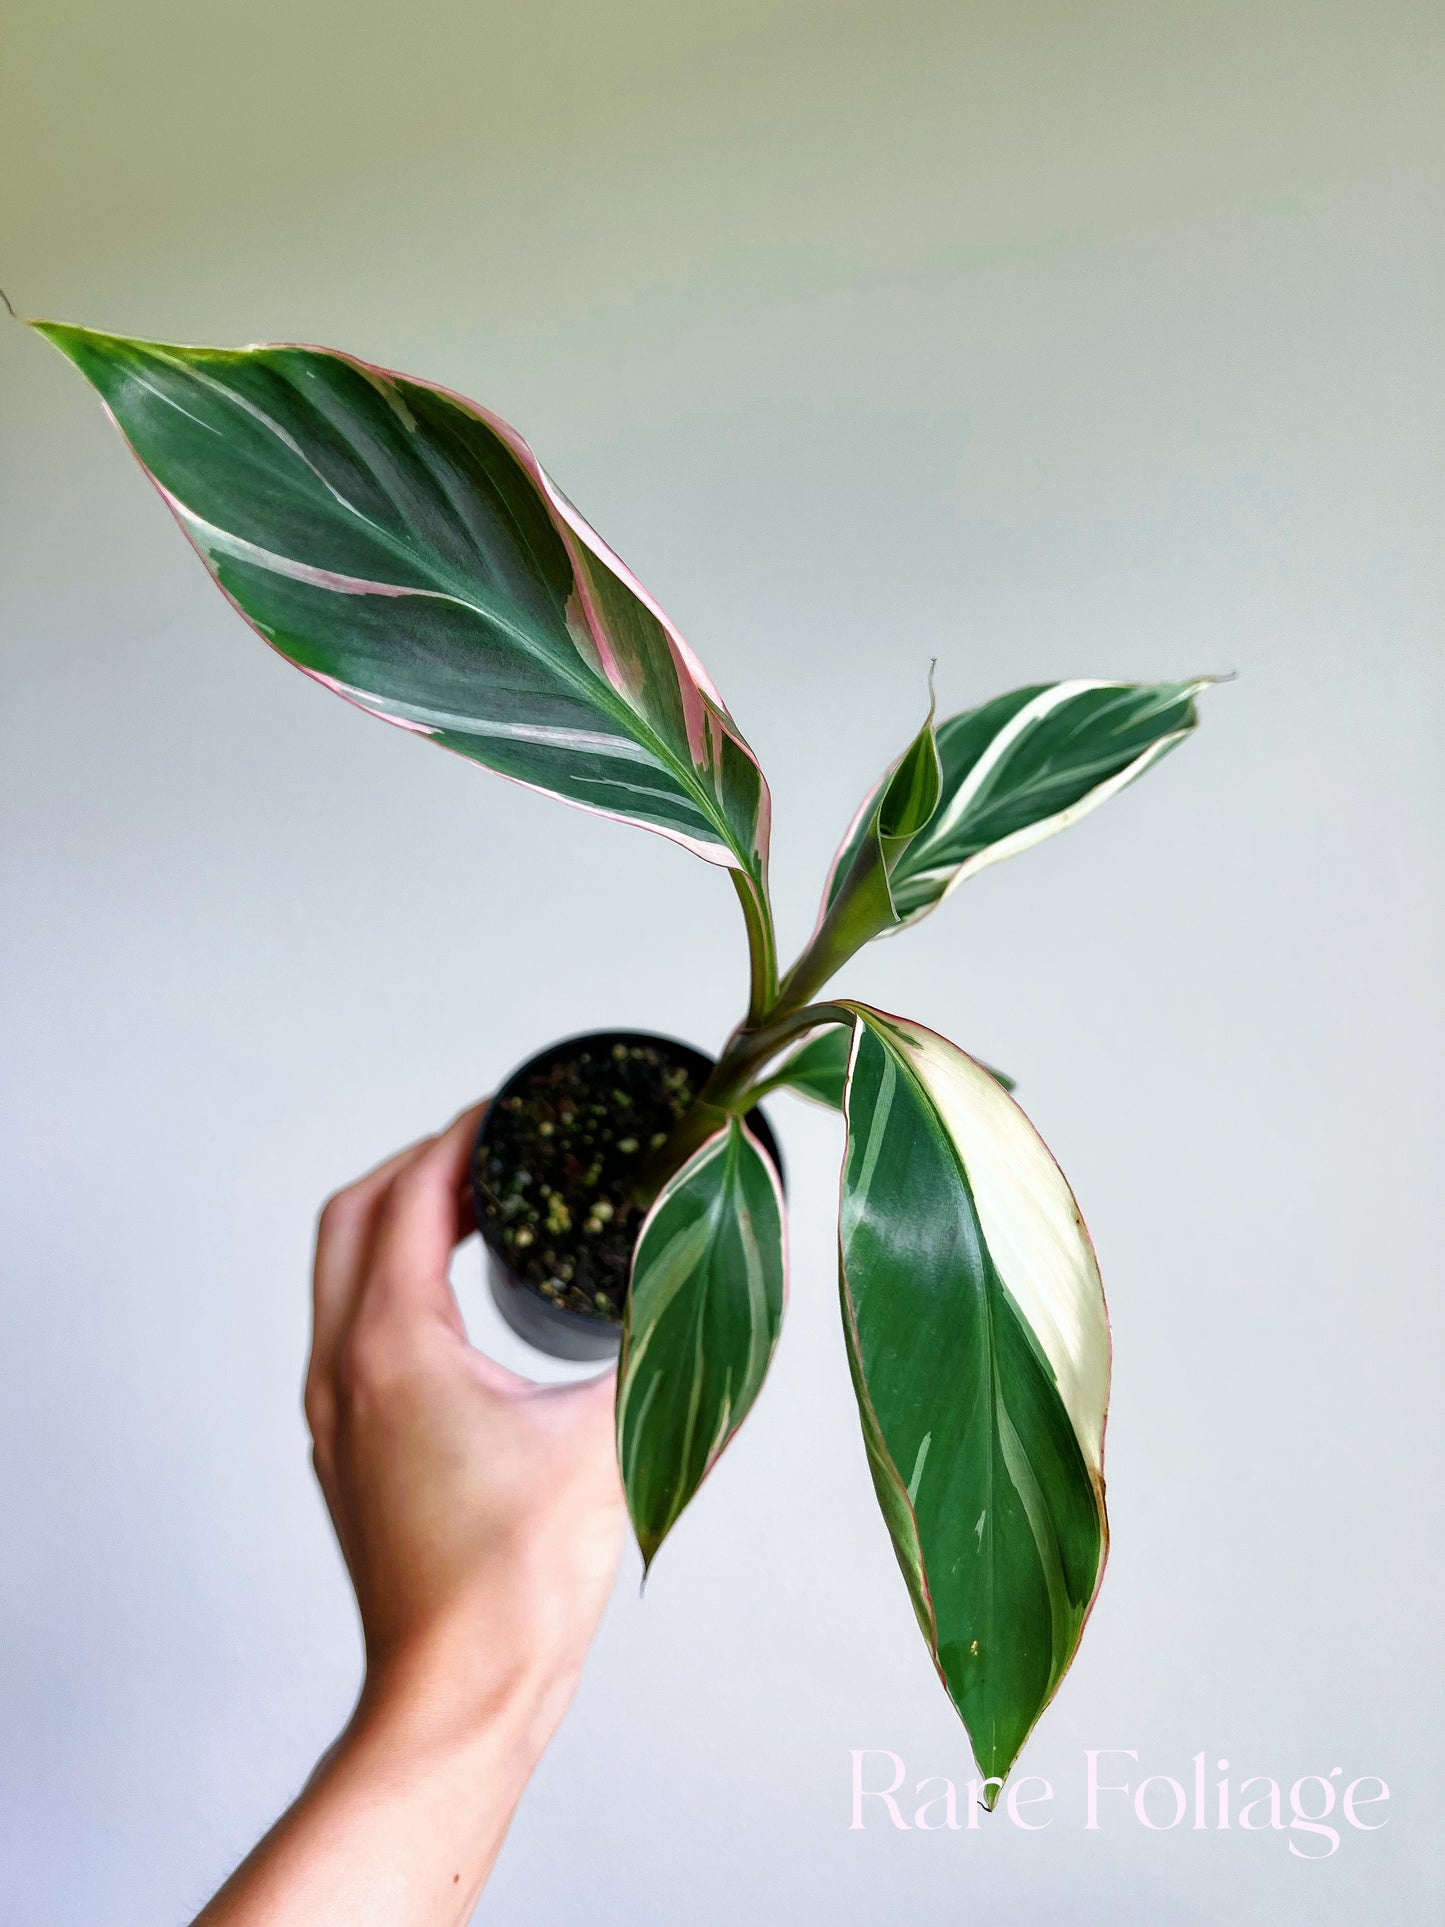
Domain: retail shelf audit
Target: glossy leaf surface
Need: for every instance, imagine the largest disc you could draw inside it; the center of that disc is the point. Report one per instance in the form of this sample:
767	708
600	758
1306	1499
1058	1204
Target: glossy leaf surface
709	1280
979	1345
1013	772
405	548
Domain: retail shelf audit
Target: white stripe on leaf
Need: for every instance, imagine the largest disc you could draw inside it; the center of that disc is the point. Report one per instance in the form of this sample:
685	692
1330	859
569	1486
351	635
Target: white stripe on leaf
1029	1220
947	876
1033	711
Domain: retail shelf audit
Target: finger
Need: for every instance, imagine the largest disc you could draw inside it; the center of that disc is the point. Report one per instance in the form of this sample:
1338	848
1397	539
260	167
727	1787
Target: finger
344	1236
420	1219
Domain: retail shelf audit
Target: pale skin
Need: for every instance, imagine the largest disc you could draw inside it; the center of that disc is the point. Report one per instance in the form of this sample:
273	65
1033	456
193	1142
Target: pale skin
480	1517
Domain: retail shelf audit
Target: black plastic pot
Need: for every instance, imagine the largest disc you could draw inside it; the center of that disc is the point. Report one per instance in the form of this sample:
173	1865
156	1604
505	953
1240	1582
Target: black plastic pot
555	1329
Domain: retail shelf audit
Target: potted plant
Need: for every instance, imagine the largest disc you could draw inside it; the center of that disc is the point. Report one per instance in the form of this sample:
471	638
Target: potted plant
405	547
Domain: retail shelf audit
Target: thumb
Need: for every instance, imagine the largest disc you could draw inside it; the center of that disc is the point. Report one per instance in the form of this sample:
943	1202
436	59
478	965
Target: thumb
425	1214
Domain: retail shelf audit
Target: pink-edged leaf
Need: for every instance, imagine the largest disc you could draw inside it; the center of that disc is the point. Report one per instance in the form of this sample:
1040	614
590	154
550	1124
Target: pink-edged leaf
1012	772
405	548
709	1283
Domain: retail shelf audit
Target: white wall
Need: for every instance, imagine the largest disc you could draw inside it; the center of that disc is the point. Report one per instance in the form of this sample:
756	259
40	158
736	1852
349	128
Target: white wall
1043	339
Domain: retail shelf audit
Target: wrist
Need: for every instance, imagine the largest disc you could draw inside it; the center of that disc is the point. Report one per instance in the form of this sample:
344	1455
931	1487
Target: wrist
407	1809
441	1698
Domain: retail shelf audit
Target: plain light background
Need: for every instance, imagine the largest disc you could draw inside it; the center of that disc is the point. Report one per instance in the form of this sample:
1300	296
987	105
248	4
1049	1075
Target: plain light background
1093	339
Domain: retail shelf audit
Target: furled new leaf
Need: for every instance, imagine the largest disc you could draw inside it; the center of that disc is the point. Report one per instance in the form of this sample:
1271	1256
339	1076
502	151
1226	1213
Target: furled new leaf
709	1280
820	1069
859	900
1012	773
979	1346
404	547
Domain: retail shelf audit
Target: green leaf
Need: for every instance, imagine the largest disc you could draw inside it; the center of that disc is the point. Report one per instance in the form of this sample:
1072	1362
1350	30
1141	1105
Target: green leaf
1013	772
820	1069
858	904
709	1281
979	1347
405	548
912	792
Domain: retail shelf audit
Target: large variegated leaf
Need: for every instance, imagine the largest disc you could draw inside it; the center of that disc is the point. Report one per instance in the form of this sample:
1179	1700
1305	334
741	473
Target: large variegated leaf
405	547
1012	773
979	1347
709	1280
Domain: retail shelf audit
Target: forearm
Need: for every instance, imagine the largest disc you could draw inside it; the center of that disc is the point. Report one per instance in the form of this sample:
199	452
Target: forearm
402	1820
480	1519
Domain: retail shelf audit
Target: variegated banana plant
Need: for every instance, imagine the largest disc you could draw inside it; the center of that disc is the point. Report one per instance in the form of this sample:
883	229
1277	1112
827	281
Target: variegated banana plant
404	547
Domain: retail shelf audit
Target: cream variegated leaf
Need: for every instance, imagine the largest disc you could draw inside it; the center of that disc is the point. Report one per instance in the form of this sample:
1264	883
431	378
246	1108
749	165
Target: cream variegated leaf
979	1345
709	1282
1013	772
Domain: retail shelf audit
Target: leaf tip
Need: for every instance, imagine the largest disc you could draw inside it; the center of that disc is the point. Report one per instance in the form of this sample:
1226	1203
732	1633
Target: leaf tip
95	353
649	1543
64	335
1199	684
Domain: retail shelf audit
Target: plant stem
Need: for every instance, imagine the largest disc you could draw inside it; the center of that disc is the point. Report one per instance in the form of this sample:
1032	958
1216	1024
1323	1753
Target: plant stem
750	1048
776	1015
839	934
729	1090
814	967
762	944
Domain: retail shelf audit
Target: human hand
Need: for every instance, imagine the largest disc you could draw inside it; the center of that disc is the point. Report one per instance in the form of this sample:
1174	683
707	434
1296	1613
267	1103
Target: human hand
480	1515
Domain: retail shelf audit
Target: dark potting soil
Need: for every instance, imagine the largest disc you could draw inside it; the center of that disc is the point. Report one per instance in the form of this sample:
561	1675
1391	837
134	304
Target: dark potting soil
555	1170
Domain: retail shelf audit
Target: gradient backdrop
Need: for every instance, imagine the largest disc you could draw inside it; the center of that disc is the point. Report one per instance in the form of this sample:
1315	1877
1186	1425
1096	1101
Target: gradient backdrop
1097	339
